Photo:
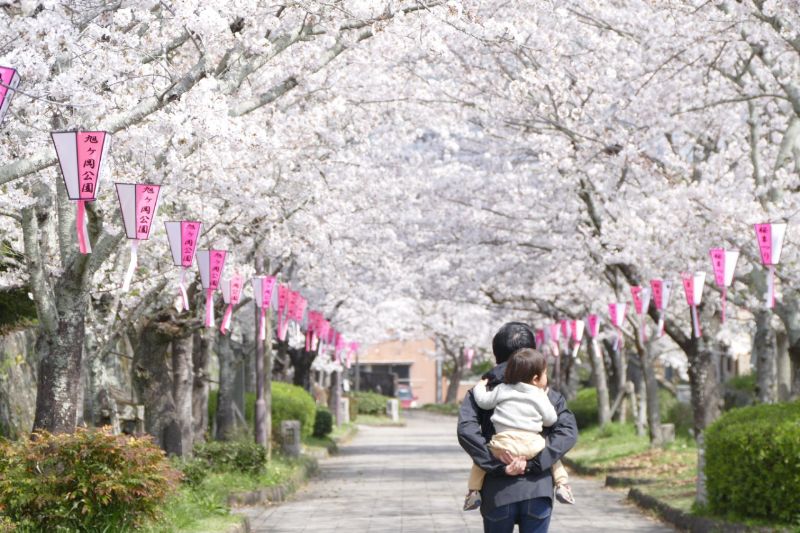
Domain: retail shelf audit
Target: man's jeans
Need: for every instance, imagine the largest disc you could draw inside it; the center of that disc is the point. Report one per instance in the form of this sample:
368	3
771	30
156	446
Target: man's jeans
533	516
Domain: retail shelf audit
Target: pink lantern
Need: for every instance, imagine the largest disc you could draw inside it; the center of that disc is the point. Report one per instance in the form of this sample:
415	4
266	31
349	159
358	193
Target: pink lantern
724	263
138	204
263	294
770	244
231	294
554	331
576	328
283	305
9	81
641	302
539	338
183	236
693	288
662	290
210	263
616	312
312	330
565	331
469	356
81	156
593	321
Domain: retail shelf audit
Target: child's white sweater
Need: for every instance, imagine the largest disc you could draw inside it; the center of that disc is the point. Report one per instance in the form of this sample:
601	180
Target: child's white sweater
517	407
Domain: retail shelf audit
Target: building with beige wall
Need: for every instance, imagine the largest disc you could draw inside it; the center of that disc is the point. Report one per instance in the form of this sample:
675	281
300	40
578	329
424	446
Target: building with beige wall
413	361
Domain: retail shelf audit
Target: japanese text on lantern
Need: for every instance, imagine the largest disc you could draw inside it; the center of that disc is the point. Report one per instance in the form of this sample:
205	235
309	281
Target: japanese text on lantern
236	289
718	262
764	233
216	261
146	197
90	148
189	232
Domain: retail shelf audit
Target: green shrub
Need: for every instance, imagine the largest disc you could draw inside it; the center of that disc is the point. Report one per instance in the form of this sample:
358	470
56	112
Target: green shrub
584	407
746	383
290	402
323	423
194	471
753	462
353	407
370	403
680	414
87	481
242	456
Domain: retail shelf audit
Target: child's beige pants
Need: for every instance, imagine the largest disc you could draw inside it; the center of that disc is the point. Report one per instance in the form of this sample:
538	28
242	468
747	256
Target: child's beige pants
526	444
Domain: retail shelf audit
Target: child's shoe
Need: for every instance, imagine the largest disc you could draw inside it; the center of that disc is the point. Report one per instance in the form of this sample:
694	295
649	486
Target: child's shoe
564	494
472	500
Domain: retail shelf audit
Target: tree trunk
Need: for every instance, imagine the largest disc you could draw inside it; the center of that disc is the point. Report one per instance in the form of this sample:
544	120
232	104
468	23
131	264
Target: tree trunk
226	418
152	379
451	396
600	383
59	374
201	355
301	362
789	312
571	383
182	350
335	398
268	383
652	402
784	369
620	375
641	418
704	383
764	353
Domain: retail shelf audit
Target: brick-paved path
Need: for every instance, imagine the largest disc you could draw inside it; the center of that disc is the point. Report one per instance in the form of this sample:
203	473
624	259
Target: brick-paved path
413	479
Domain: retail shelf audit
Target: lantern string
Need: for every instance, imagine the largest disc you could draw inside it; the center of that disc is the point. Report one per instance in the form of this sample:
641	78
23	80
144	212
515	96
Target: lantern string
42	99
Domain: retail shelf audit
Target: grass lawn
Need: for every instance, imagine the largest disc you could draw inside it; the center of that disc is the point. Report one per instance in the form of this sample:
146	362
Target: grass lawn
667	474
204	508
378	420
442	408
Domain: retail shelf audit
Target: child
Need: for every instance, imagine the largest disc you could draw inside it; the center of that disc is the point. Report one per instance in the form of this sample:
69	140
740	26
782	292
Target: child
521	409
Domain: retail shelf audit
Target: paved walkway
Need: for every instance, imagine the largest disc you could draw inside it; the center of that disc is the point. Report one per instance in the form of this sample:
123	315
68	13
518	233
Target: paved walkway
413	479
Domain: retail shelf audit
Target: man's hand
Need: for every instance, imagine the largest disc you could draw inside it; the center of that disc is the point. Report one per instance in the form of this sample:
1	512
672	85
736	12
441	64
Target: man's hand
517	467
504	455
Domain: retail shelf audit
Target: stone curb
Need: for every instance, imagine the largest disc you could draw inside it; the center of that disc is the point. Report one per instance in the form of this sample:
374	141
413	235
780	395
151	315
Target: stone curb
580	469
687	522
277	493
242	527
614	481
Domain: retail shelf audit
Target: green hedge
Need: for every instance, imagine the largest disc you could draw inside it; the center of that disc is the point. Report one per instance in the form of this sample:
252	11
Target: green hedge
585	408
753	463
370	403
290	402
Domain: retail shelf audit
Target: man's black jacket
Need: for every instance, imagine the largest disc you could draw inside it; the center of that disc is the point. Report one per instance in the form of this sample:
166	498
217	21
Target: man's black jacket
475	430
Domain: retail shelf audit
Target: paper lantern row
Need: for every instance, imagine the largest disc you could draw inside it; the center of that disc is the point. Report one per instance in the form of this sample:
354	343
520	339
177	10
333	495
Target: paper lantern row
82	156
770	238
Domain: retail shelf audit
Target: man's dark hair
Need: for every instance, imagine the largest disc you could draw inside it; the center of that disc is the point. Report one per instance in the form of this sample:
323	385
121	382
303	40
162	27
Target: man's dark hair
524	365
511	337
